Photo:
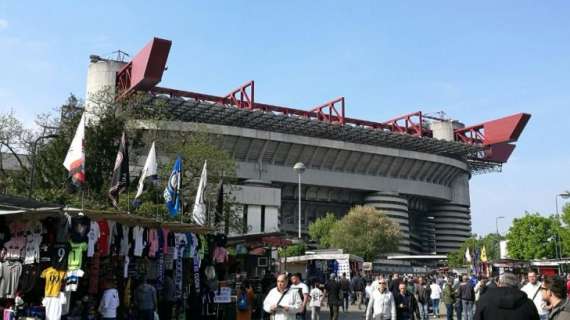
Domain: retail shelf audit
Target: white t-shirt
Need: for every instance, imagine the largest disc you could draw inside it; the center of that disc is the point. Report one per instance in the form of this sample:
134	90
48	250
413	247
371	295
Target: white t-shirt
109	303
316	297
93	237
435	291
139	241
304	289
125	246
53	306
32	252
533	291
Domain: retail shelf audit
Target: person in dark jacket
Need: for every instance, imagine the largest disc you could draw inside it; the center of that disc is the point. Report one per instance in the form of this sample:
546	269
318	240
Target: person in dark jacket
506	302
423	293
467	296
333	294
406	304
448	299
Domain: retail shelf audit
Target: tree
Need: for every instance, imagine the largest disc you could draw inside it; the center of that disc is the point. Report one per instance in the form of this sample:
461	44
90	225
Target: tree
320	229
489	241
532	237
366	232
292	250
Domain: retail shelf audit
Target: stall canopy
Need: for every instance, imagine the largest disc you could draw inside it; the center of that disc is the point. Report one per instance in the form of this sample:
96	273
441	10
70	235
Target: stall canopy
31	209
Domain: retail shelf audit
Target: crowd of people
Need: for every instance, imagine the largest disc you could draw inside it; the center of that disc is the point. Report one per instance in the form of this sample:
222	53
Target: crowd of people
393	297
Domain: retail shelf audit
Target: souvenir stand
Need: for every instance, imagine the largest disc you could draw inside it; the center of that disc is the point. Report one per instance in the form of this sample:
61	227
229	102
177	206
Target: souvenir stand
55	262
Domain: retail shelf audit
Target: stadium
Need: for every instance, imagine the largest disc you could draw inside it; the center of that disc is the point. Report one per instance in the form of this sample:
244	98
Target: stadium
415	168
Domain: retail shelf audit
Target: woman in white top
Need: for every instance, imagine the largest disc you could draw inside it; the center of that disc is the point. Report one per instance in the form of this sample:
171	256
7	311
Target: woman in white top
435	296
282	303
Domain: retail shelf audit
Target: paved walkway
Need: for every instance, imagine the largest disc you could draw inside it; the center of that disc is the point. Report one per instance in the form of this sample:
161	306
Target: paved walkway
354	314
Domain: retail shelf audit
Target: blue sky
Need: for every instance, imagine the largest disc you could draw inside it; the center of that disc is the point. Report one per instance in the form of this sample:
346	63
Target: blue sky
476	61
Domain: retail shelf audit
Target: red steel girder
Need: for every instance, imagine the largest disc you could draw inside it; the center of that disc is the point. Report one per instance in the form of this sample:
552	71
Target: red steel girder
503	130
145	70
244	96
333	114
412	123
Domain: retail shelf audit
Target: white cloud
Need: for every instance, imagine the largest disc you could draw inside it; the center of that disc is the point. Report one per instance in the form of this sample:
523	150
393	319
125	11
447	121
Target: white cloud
3	24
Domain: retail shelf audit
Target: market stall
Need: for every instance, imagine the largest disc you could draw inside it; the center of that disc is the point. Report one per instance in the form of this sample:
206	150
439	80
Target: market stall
58	262
317	265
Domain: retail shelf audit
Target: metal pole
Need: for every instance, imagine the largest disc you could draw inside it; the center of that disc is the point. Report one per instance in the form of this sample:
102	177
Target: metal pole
299	205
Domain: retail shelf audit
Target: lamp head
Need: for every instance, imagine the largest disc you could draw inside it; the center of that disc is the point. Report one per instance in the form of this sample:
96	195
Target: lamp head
299	167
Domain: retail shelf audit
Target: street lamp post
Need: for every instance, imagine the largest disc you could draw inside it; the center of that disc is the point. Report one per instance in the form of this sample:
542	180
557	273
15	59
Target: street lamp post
557	243
299	168
497	223
33	164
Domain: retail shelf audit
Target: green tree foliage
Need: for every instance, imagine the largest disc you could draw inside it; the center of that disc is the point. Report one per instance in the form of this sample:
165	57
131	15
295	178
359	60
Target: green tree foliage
102	138
490	242
292	250
366	232
532	237
320	229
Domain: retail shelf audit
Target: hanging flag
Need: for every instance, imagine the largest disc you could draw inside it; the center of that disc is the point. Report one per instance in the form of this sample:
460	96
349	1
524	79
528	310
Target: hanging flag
120	178
483	255
219	214
199	211
149	170
467	255
75	159
172	191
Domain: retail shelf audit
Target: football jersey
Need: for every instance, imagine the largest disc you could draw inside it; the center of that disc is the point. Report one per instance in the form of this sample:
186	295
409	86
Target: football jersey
75	258
54	279
59	253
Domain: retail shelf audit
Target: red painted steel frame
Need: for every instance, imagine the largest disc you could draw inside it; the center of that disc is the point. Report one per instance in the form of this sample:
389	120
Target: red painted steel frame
145	69
504	130
413	124
246	99
323	115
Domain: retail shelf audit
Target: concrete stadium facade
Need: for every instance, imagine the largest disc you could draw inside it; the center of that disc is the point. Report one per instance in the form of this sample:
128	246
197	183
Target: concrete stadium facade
418	176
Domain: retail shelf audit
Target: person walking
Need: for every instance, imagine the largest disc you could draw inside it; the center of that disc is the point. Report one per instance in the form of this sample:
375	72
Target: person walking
145	300
423	293
532	290
505	302
168	296
448	298
303	290
435	296
346	291
554	295
245	298
333	294
381	305
406	304
317	296
467	297
358	289
281	302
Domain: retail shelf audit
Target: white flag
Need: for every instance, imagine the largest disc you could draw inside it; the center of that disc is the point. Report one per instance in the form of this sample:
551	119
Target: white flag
467	255
75	159
149	169
199	211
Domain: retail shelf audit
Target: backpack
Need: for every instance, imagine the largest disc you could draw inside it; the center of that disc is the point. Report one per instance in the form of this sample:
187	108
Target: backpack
242	303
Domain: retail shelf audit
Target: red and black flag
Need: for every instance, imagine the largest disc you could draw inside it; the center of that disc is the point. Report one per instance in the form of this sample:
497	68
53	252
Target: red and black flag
120	179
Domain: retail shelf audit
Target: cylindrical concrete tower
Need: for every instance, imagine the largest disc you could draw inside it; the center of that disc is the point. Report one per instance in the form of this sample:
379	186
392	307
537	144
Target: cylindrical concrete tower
100	89
452	226
396	208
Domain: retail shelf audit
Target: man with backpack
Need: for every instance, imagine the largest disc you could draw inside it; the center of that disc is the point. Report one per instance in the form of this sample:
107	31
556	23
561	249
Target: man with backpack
245	298
303	290
423	293
358	288
532	290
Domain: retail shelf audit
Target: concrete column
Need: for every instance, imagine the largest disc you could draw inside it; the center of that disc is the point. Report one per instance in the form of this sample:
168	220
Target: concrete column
100	88
396	208
452	226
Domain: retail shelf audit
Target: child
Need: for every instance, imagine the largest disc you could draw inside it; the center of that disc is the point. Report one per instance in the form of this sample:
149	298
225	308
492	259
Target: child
317	296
